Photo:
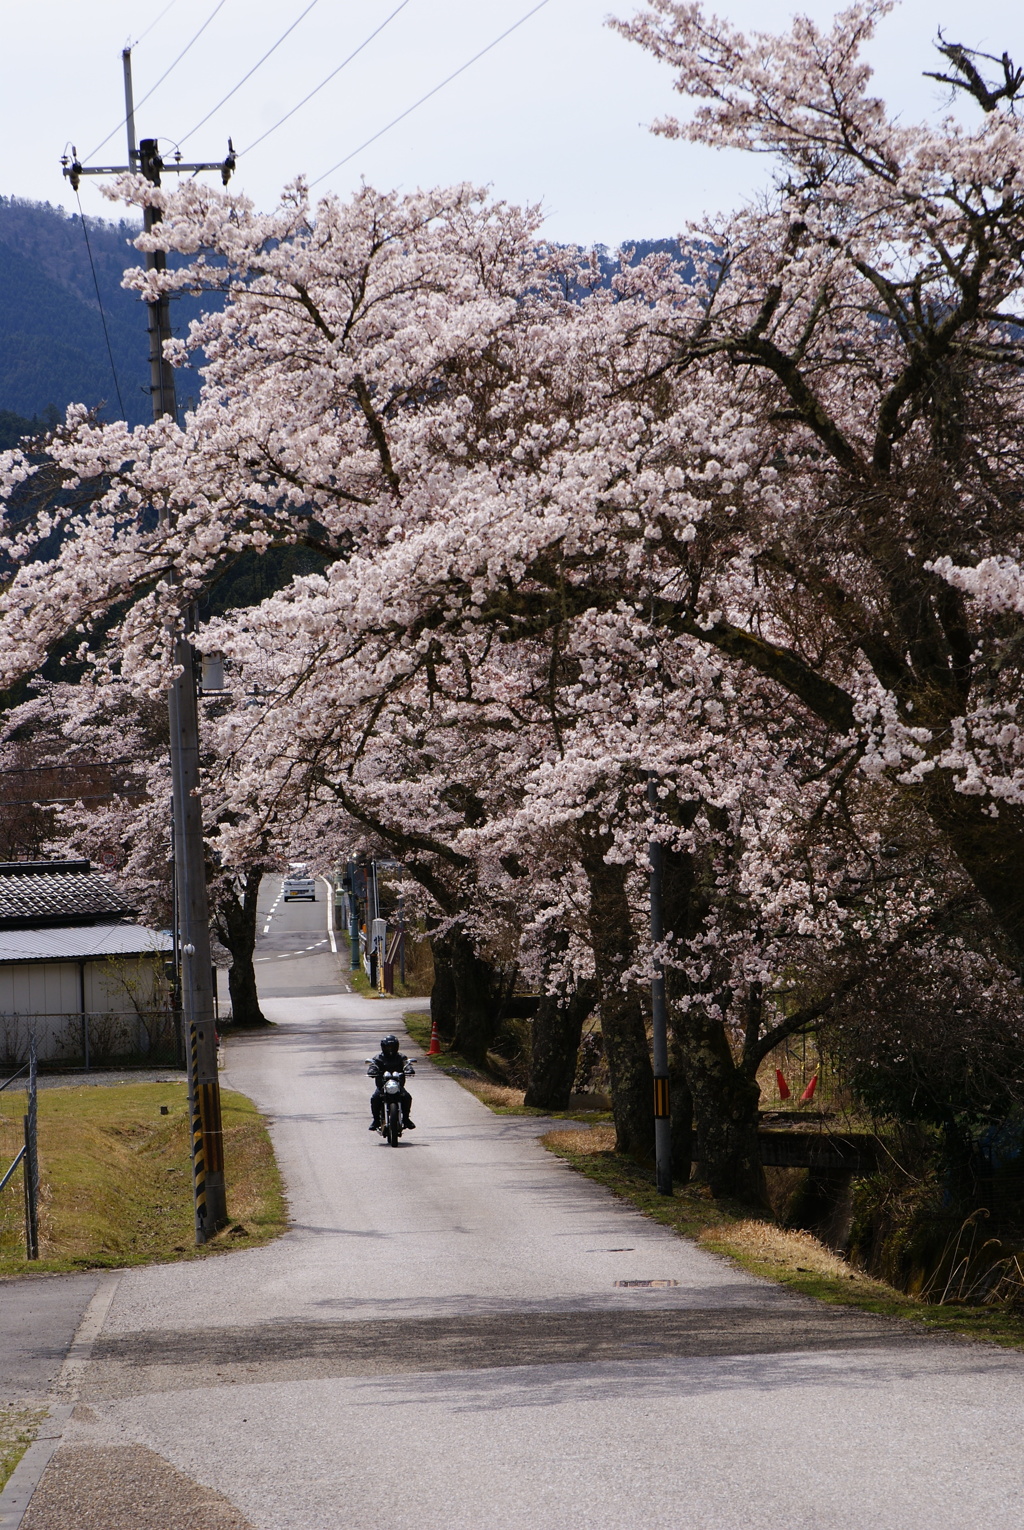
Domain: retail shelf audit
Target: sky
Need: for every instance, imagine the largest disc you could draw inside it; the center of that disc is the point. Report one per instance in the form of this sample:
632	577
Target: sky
557	113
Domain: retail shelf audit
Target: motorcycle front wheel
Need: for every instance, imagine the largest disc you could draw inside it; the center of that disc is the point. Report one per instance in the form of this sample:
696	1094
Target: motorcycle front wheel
394	1129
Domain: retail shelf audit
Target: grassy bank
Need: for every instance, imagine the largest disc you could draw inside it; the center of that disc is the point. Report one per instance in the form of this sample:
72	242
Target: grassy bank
793	1259
116	1187
414	988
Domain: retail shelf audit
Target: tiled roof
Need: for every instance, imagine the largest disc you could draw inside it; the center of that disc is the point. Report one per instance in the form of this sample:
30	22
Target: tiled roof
81	943
47	894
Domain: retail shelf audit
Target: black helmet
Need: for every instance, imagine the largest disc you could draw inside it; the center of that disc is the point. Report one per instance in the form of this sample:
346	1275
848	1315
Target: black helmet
389	1044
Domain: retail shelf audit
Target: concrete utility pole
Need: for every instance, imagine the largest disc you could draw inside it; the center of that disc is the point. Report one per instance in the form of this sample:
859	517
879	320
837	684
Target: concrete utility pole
353	918
659	1015
193	916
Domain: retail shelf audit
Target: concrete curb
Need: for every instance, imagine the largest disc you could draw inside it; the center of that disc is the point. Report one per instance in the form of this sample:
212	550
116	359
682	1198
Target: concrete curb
23	1481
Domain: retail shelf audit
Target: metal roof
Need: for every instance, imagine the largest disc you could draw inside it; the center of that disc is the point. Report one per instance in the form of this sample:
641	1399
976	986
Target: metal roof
47	894
89	942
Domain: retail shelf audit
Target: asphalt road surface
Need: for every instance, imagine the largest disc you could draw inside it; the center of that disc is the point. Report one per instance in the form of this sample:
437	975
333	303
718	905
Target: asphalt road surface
440	1342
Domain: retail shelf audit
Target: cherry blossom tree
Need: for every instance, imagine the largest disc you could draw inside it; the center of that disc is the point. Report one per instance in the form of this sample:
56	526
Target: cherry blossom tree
498	769
749	531
334	375
864	316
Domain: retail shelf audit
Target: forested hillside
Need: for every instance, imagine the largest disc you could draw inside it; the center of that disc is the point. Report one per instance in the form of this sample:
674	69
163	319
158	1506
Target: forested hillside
52	348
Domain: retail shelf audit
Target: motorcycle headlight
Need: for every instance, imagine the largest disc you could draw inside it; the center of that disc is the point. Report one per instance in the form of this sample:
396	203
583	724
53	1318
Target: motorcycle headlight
393	1086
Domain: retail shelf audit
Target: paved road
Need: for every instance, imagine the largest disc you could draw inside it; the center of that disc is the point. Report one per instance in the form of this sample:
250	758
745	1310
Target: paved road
440	1343
38	1319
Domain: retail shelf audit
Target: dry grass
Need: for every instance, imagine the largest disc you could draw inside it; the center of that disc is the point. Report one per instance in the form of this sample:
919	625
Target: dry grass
116	1179
797	1251
599	1139
497	1096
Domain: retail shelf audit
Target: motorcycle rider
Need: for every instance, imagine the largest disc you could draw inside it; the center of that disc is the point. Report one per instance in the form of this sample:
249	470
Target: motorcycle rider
390	1060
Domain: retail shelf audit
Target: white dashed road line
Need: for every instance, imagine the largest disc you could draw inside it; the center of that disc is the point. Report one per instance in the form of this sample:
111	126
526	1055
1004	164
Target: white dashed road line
273	911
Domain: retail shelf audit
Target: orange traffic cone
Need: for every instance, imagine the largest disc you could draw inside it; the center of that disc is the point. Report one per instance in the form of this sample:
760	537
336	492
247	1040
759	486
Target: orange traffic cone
435	1040
783	1086
808	1094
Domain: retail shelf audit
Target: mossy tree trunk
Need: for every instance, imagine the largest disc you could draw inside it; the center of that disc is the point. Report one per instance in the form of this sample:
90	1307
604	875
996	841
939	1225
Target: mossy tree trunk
682	1116
442	991
623	1025
725	1102
477	998
555	1045
723	1089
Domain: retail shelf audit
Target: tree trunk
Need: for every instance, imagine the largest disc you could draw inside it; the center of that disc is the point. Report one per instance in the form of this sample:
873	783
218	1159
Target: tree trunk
245	1000
555	1044
682	1116
725	1105
442	991
476	999
723	1101
991	850
234	919
622	1020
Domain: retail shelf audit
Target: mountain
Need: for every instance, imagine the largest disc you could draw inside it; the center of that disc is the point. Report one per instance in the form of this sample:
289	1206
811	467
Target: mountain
52	347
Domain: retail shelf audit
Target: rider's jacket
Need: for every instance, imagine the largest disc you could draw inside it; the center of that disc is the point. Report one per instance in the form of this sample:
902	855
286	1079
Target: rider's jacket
396	1063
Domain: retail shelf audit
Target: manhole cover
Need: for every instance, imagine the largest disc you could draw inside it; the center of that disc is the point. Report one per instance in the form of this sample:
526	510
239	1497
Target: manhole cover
658	1283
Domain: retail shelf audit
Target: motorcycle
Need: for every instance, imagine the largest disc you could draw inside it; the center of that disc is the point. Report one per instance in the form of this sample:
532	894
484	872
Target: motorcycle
391	1085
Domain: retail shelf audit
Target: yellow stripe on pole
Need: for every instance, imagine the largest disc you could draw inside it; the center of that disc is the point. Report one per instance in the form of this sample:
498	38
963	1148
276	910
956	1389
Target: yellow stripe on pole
198	1139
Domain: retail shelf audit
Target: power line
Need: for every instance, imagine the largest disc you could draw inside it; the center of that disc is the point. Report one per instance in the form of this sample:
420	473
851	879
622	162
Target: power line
330	77
153	24
99	299
410	109
252	71
219	6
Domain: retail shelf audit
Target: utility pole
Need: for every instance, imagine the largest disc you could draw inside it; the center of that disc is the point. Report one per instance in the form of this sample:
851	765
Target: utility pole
193	916
353	918
659	1015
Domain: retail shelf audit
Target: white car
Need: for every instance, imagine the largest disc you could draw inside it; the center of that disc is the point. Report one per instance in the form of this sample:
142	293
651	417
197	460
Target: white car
299	886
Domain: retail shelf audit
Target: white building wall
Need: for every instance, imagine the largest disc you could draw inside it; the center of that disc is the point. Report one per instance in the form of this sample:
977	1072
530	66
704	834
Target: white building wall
39	988
45	998
120	985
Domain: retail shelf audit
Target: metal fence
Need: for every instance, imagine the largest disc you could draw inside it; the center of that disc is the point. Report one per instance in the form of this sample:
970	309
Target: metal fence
93	1039
27	1156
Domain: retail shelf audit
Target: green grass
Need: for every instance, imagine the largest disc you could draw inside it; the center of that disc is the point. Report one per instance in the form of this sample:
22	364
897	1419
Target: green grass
116	1179
727	1229
17	1430
360	983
